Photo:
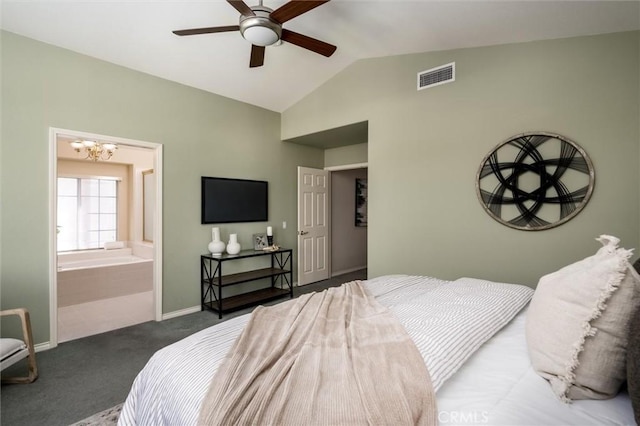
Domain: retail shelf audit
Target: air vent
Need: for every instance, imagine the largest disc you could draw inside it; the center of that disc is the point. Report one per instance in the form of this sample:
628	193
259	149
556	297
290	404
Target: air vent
437	76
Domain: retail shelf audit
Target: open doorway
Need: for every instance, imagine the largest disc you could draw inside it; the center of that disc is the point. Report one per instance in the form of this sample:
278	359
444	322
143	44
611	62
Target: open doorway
348	221
106	234
344	148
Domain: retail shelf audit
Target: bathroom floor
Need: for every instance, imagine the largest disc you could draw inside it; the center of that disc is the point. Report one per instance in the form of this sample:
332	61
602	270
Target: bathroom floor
96	317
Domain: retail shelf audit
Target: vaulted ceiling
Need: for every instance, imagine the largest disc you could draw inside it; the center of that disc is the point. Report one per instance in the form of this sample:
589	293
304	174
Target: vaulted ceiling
138	34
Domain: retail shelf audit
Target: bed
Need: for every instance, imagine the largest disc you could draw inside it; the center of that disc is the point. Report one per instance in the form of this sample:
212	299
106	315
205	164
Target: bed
489	381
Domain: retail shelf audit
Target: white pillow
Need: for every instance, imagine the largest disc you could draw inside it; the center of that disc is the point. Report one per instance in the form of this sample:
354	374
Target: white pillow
577	323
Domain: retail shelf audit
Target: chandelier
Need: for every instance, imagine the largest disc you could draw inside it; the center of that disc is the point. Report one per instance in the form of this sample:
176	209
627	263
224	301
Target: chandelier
95	150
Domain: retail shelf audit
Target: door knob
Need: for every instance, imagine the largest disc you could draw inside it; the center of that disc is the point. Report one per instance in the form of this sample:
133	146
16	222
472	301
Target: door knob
302	232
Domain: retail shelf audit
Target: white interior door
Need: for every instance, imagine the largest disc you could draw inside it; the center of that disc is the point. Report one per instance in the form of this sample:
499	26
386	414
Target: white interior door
313	225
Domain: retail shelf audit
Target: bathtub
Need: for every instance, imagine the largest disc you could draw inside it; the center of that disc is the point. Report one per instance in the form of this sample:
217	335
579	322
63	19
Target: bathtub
100	262
101	274
73	261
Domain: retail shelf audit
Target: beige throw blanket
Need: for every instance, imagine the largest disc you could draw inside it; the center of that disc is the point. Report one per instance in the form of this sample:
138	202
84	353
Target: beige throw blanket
331	358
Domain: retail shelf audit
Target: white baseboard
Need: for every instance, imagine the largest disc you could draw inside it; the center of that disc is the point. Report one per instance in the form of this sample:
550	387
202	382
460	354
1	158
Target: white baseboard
346	271
45	346
181	312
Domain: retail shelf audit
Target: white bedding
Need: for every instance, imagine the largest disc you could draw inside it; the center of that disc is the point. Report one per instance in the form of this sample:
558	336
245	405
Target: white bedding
494	386
498	386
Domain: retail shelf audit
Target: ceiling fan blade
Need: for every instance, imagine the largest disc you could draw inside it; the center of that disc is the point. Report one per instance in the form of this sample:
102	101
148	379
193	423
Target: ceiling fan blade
308	43
257	56
294	8
241	7
208	30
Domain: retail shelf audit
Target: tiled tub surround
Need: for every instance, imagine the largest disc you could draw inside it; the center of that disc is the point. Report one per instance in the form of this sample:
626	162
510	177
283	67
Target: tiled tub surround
103	282
100	291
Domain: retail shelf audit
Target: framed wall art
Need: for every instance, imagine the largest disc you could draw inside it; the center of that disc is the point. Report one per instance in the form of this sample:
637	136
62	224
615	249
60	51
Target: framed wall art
535	181
361	202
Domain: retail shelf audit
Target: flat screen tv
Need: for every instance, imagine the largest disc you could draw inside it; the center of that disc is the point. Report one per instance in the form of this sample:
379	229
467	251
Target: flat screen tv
234	200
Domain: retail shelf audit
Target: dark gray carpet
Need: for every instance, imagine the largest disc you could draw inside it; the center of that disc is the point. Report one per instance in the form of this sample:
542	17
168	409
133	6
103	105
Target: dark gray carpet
85	376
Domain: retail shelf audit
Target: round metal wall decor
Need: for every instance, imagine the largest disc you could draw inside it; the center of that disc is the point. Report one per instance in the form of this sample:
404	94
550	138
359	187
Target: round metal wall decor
535	181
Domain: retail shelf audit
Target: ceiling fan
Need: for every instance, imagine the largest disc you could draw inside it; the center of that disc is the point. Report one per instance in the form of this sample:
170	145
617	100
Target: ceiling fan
262	27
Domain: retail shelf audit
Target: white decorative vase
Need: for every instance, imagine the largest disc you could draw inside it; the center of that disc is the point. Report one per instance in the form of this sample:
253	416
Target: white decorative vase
233	247
216	246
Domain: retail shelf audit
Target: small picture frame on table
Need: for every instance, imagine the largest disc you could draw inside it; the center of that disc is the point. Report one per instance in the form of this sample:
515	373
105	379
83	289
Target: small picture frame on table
260	241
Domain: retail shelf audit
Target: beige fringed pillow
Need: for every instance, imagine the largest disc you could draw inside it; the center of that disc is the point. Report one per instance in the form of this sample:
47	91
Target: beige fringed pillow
577	324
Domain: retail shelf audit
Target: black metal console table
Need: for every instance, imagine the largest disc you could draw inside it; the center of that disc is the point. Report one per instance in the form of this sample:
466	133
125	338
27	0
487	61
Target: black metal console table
212	280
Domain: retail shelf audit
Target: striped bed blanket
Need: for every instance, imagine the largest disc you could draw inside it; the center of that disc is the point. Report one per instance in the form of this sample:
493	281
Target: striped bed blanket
447	320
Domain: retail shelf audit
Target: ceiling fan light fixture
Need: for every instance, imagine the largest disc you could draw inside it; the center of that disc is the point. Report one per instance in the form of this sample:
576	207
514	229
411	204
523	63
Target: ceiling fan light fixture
261	36
260	29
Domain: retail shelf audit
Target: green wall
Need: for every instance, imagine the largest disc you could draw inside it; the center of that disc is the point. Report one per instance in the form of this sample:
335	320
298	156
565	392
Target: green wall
423	151
203	134
346	155
425	147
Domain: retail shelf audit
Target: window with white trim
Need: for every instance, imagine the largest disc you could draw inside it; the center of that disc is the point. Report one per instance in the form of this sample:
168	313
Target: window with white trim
87	212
